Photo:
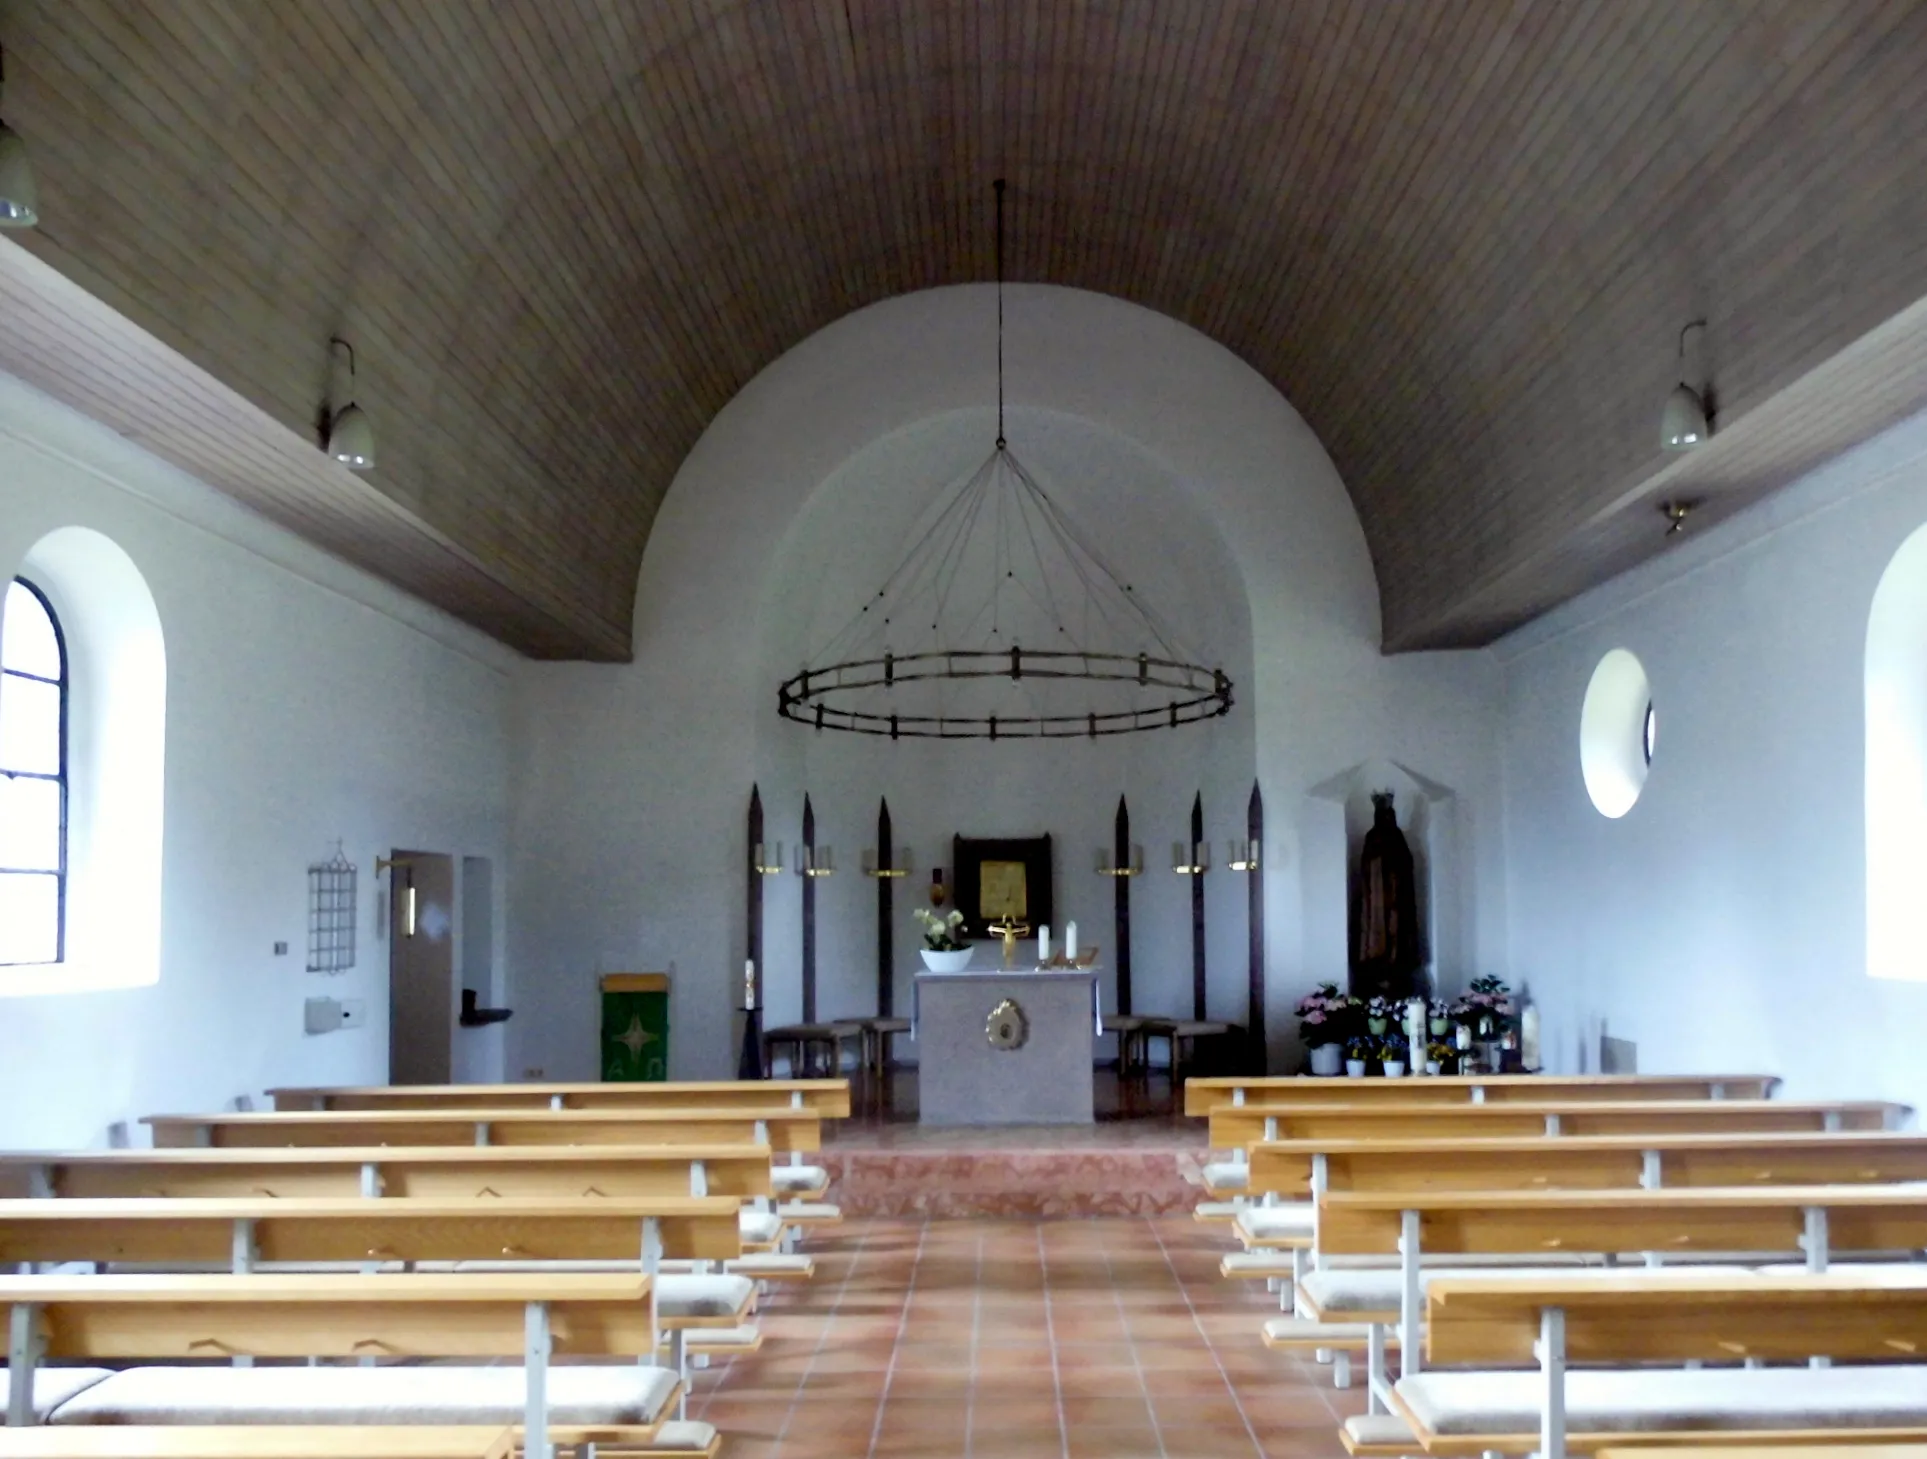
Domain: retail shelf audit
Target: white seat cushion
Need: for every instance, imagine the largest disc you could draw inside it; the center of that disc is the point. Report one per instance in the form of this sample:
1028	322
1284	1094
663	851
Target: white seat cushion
772	1266
54	1386
682	1299
1250	1265
578	1394
1304	1333
1227	1175
759	1226
1217	1210
1670	1399
791	1180
1259	1224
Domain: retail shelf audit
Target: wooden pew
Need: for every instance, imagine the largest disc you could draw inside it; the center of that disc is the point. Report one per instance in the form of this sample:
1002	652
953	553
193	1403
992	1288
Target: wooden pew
535	1318
245	1232
1588	1162
741	1171
1202	1096
1661	1317
1811	1223
784	1131
830	1098
1238	1126
299	1441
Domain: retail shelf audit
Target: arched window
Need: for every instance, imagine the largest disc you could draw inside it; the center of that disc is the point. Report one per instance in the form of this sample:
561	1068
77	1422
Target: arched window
33	779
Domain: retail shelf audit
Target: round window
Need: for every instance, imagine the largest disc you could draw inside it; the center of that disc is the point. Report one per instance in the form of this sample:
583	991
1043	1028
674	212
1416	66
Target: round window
1617	732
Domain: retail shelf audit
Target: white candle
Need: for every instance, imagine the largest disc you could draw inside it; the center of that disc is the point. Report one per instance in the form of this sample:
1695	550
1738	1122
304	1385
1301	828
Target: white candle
749	986
1415	1034
1070	941
1043	944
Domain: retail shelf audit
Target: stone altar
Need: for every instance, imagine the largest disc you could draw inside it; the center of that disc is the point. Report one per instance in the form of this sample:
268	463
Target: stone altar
965	1079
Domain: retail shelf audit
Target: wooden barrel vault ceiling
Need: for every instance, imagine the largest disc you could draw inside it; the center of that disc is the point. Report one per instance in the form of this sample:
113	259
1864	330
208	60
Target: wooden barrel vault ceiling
1460	237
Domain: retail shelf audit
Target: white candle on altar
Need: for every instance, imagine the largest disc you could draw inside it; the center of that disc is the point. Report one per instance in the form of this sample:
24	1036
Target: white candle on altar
1070	941
749	986
1415	1019
1043	944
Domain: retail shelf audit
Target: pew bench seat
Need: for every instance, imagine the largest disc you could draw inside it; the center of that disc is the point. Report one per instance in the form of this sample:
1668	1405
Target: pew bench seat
1371	1294
809	1181
54	1386
1377	1436
580	1395
768	1266
1279	1227
809	1213
1256	1266
725	1342
682	1299
1468	1412
1293	1334
1211	1211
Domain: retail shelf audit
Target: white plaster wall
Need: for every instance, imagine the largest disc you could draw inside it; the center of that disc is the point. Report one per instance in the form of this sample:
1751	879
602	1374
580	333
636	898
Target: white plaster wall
631	781
305	702
1721	923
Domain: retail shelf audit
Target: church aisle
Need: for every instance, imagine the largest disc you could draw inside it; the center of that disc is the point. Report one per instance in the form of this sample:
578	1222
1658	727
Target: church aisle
997	1339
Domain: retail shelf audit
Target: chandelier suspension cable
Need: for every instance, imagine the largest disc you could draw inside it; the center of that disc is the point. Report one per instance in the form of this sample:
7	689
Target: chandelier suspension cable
999	186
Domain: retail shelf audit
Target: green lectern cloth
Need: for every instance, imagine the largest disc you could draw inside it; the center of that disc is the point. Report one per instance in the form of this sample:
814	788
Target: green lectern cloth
635	1026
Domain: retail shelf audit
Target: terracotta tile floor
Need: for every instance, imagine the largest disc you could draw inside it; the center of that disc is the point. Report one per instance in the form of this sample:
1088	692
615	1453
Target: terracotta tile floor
1002	1339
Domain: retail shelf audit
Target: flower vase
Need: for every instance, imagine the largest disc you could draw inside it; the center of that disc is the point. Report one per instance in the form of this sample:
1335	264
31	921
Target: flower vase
1439	1026
946	962
1431	1066
1354	1068
1394	1068
1325	1059
1376	1027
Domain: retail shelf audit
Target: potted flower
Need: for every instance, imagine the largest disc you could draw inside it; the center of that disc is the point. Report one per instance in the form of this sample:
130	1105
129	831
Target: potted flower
1379	1014
1439	1017
1391	1057
1358	1053
1325	1019
1486	1009
1437	1056
945	949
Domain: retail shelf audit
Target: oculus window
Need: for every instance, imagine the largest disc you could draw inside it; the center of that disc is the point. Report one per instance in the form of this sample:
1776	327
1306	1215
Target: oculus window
33	779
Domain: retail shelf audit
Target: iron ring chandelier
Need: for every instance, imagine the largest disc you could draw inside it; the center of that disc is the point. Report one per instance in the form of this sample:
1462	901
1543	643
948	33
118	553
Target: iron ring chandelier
1197	694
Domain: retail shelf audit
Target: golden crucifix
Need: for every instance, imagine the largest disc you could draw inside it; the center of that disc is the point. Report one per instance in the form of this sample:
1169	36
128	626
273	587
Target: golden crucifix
1005	895
1010	932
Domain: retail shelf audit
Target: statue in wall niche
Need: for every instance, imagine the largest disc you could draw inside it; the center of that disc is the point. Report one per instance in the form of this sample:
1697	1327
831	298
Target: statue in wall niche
1386	954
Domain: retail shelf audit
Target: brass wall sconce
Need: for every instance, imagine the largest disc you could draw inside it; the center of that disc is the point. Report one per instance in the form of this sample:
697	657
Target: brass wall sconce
1191	860
767	859
1107	867
1676	513
899	868
1243	855
815	861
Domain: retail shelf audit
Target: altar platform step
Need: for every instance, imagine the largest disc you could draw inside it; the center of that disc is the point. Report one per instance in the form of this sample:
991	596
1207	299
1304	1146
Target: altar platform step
1114	1168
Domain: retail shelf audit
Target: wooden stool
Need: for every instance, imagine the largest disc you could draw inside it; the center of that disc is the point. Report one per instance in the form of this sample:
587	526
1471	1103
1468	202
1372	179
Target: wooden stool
1181	1035
1129	1028
802	1040
882	1030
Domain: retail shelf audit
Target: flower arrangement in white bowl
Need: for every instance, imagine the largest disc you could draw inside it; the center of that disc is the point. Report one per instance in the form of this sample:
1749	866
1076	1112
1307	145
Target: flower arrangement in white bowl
945	949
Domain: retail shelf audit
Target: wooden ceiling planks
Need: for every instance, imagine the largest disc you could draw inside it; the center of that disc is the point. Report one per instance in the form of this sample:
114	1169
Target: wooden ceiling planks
1460	237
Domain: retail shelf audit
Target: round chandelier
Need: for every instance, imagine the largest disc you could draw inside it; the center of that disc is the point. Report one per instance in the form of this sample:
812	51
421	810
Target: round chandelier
1001	621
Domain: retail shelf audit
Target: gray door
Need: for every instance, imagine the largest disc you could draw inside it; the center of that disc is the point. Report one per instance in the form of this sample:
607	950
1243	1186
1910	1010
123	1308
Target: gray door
421	966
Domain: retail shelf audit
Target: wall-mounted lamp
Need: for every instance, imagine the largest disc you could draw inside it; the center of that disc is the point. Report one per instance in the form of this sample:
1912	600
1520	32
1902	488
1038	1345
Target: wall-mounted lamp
1242	855
1683	423
1107	865
1191	860
767	858
351	439
19	200
815	861
899	867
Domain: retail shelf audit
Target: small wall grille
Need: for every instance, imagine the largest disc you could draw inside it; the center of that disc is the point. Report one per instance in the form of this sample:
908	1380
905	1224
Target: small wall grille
331	915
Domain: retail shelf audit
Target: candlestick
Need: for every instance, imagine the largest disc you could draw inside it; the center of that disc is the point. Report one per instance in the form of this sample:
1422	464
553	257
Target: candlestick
1043	944
1070	941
